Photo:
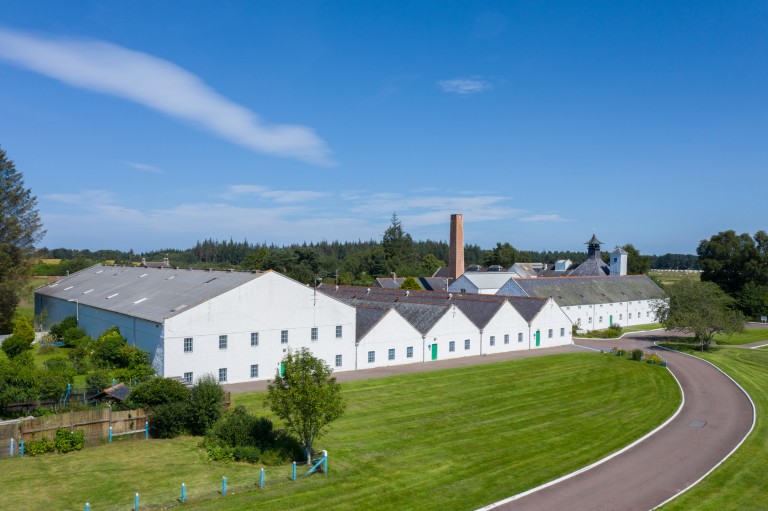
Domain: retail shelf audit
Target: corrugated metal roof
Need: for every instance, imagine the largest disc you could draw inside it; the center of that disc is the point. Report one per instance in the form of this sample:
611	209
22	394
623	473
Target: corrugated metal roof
147	293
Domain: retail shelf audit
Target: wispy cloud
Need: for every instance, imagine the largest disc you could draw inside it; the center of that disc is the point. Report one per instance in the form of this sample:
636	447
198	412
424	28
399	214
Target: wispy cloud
543	218
465	86
143	167
161	85
279	196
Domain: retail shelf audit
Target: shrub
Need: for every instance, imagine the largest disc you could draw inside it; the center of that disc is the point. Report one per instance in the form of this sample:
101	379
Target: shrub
272	457
46	349
168	420
53	384
206	404
98	379
38	447
655	359
158	391
238	427
22	329
615	327
247	453
75	337
58	329
636	354
67	441
15	346
221	453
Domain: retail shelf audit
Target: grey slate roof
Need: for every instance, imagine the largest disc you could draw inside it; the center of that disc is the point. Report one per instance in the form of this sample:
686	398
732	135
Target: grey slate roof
424	308
426	283
592	267
568	291
152	294
367	317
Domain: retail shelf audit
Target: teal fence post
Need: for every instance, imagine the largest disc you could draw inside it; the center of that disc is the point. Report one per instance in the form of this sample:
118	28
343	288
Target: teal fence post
11	452
261	478
136	502
146	430
325	462
87	507
294	471
183	492
224	485
110	434
21	448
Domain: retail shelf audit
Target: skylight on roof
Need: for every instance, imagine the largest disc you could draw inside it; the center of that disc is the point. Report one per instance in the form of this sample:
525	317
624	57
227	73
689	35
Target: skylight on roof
209	281
112	296
86	292
99	271
143	275
139	301
68	288
179	307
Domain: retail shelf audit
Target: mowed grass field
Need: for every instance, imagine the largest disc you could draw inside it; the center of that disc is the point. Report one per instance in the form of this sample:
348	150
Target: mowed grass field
740	482
453	439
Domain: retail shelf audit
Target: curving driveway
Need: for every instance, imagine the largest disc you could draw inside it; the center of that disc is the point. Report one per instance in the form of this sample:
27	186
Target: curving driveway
715	417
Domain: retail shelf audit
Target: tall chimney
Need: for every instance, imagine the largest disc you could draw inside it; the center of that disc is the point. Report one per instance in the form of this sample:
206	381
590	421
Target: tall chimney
456	249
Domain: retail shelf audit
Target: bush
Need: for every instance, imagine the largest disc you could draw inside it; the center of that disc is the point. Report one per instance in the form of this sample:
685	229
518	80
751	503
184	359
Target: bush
221	453
158	391
15	346
636	354
238	427
656	360
58	329
46	349
615	327
247	453
206	404
99	380
273	457
67	441
38	447
22	329
75	337
168	420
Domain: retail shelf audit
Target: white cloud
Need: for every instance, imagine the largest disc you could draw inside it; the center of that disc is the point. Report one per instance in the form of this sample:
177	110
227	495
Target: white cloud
143	167
161	85
279	196
465	86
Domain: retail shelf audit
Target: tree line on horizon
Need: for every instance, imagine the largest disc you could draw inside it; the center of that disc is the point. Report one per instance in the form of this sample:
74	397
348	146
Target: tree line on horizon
345	262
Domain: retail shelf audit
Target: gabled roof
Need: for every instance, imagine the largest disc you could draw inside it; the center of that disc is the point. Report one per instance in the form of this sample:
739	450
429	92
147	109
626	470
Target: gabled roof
367	317
568	291
153	294
592	267
488	280
426	283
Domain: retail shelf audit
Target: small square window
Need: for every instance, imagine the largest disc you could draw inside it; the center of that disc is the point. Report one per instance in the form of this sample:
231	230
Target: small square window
222	342
187	345
338	360
589	320
452	346
223	375
313	334
409	352
600	319
284	337
338	331
187	377
562	332
466	344
493	340
549	334
254	370
630	316
621	316
506	338
254	339
371	357
520	337
391	354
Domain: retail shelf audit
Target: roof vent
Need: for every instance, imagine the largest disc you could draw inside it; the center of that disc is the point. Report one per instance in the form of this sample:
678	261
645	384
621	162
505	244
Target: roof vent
450	295
368	291
407	293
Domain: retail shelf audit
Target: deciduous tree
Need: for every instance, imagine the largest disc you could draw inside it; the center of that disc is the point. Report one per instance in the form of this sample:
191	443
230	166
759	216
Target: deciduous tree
701	308
305	396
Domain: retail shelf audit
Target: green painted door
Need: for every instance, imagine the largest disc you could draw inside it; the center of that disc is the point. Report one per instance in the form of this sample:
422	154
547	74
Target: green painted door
610	320
282	369
434	351
538	338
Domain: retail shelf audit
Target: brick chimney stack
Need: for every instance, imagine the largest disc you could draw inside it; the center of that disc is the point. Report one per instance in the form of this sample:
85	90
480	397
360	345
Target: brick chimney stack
456	249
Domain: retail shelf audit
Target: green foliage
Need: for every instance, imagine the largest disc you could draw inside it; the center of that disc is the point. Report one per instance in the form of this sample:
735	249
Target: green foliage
220	453
22	329
701	308
19	380
504	255
158	391
206	404
636	264
608	333
39	447
753	300
20	229
14	346
53	384
306	397
411	283
169	420
68	441
75	337
731	261
58	329
636	355
98	379
400	256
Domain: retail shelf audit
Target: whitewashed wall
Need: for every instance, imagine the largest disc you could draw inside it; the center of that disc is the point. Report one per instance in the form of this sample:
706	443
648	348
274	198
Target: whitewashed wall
392	332
506	321
267	306
453	326
551	318
599	316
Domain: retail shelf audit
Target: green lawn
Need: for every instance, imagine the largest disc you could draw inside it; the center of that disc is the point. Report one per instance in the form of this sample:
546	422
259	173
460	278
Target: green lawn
641	328
453	439
750	335
740	482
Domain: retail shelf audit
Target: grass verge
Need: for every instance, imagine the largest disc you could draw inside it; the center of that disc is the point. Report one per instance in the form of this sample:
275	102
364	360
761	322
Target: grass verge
453	439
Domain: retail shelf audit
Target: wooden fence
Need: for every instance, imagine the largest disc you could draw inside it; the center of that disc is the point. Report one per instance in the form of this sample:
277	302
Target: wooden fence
94	423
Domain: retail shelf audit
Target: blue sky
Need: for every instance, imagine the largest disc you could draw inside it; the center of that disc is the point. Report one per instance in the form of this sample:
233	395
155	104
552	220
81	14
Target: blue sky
152	125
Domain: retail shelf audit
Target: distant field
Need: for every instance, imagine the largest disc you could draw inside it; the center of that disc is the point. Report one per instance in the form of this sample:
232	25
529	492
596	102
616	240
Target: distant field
739	483
453	439
671	276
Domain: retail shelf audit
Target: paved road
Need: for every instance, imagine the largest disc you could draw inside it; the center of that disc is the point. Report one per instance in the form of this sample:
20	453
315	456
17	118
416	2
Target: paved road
714	419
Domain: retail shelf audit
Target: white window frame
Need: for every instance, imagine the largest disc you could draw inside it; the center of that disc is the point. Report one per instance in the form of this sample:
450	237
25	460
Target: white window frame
391	354
188	377
339	331
338	360
371	357
493	340
222	375
254	339
452	346
409	352
254	370
283	336
223	342
189	342
467	344
313	334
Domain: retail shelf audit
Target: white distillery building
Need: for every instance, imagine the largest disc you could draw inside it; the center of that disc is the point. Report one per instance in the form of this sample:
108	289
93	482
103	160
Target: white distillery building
239	325
235	325
396	326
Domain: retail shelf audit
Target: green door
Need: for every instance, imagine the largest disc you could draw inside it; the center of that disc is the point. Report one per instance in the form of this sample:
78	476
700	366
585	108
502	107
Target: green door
610	320
538	338
434	351
282	369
